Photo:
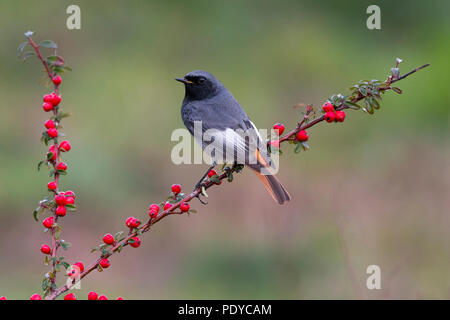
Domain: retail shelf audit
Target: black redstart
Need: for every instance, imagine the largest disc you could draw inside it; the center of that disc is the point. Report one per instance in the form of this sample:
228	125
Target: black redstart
208	103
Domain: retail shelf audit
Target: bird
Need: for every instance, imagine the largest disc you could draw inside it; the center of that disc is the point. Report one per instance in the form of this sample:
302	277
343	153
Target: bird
208	102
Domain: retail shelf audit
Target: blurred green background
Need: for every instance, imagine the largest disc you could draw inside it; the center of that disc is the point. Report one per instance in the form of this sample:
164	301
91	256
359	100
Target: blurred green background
373	190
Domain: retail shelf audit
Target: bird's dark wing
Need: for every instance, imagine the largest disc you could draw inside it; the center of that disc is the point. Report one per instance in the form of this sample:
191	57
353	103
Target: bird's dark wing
225	120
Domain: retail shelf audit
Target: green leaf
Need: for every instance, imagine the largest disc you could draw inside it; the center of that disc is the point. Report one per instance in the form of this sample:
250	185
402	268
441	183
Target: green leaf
45	284
118	235
37	211
55	60
368	107
298	148
40	164
48	44
62	115
215	178
193	211
230	177
65	244
397	90
21	47
28	54
66	265
374	103
71	207
49	156
352	105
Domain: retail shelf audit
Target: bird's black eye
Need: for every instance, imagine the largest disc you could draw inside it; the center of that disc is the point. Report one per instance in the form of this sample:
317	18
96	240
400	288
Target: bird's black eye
200	79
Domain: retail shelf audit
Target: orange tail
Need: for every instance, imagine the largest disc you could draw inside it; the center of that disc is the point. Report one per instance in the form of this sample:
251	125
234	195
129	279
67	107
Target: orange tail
272	184
275	188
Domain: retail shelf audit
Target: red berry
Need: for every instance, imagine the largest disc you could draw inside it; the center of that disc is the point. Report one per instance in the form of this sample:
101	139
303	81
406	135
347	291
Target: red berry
70	296
48	98
327	107
153	210
340	116
104	263
55	99
279	127
61	211
51	185
70	200
184	207
102	297
64	146
119	298
56	80
176	188
45	249
49	124
52	132
80	266
167	205
132	222
302	135
329	116
92	295
48	222
108	238
212	173
52	150
136	242
47	106
60	199
35	297
70	193
4	298
61	166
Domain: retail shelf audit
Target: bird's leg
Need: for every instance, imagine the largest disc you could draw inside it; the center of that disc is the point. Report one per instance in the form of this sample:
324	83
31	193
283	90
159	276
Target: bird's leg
200	182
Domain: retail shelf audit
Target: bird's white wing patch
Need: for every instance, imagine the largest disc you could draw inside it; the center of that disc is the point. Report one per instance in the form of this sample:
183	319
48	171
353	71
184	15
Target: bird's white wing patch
228	146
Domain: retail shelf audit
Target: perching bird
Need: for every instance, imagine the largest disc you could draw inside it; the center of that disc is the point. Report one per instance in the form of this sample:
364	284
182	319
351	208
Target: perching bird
207	100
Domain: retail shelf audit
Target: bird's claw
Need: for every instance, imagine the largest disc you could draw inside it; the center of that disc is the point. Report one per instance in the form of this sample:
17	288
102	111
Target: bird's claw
201	201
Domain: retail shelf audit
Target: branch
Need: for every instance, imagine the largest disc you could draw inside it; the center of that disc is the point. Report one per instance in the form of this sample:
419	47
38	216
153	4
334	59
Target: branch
369	91
51	103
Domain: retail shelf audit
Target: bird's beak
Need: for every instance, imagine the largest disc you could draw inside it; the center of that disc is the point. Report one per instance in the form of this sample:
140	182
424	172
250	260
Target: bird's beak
184	80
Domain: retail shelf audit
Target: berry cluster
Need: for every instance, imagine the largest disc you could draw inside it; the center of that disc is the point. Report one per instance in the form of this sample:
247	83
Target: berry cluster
94	296
301	136
331	115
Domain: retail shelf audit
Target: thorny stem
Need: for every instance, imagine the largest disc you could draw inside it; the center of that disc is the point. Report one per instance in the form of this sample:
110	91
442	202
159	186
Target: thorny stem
302	125
55	163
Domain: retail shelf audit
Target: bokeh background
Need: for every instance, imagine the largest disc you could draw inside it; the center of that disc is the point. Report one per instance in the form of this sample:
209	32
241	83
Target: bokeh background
373	190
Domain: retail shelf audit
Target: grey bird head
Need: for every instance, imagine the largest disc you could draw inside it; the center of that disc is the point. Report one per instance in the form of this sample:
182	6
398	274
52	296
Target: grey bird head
200	85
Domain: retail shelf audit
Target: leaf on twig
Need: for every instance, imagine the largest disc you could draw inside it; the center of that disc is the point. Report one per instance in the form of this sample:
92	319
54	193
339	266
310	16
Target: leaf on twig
48	44
21	47
397	90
